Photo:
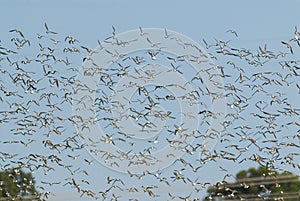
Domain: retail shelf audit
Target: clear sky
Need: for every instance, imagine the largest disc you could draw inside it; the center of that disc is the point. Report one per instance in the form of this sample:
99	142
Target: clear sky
256	22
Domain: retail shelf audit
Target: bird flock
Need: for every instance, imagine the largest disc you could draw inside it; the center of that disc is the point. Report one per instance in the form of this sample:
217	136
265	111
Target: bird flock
154	112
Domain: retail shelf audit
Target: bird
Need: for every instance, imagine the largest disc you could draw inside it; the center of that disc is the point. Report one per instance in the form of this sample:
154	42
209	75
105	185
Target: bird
70	39
233	32
298	88
289	46
142	33
48	31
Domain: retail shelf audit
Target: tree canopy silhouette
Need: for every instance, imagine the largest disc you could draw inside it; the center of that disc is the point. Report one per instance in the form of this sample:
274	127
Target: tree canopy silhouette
255	184
16	183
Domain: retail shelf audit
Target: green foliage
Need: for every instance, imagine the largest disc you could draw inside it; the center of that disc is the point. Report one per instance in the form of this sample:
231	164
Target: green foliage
260	181
242	174
8	186
15	182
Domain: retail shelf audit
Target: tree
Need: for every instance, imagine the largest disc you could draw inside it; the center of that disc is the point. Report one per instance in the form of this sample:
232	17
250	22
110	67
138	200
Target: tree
255	184
16	183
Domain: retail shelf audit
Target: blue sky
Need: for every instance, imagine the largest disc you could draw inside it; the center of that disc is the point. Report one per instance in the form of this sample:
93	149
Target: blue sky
256	22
